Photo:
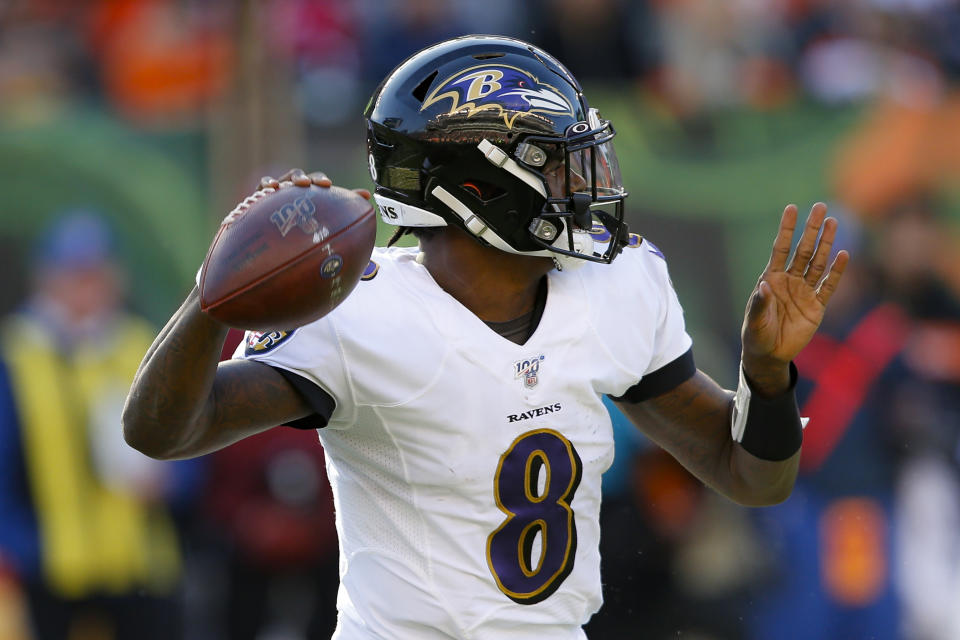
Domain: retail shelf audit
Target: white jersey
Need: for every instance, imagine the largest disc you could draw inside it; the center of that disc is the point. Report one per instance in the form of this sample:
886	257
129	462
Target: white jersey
466	468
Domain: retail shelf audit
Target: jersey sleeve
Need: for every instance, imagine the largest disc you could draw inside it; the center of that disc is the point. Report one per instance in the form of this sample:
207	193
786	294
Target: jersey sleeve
672	339
671	362
310	359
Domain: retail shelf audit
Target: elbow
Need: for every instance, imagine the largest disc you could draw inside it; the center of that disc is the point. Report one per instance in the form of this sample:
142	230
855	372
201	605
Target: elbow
141	435
136	437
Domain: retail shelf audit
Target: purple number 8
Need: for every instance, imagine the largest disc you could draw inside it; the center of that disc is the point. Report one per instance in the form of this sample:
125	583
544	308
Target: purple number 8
533	510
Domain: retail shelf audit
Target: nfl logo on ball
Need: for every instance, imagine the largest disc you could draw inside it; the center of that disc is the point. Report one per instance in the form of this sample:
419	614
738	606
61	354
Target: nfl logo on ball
298	213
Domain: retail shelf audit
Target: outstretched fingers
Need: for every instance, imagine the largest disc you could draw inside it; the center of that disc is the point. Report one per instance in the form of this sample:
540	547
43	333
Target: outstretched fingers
808	241
829	284
818	263
781	245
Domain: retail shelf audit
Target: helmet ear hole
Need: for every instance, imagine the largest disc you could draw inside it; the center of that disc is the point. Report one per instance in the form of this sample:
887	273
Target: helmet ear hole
482	190
473	188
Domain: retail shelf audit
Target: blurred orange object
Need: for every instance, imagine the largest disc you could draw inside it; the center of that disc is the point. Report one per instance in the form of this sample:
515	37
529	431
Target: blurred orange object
854	561
898	151
668	495
885	160
158	60
13	613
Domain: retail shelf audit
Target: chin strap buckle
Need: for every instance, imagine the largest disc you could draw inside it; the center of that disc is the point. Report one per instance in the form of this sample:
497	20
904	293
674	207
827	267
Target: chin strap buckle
497	156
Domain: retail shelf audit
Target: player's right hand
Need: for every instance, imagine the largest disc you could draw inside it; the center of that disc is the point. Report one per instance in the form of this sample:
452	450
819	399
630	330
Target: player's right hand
299	178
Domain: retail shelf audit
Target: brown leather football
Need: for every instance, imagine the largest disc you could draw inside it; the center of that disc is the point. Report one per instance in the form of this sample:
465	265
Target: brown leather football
285	258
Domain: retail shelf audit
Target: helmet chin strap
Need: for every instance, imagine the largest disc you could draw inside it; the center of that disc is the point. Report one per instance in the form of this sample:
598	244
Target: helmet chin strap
499	158
475	225
582	244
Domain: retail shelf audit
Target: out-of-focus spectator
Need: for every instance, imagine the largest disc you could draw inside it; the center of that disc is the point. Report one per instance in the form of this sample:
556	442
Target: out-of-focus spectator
898	150
321	42
925	413
912	233
43	64
719	54
831	543
605	40
83	523
397	29
866	545
864	50
902	57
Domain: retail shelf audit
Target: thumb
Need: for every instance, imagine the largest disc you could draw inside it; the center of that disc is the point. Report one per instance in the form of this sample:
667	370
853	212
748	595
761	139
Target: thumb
759	306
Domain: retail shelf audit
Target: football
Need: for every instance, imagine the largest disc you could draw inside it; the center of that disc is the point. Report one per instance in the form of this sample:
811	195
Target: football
286	257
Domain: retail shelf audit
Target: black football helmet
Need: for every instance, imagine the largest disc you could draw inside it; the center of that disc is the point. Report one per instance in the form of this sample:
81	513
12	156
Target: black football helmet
494	135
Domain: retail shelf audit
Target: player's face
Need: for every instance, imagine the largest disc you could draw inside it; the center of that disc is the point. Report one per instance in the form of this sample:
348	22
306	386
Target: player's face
590	168
557	183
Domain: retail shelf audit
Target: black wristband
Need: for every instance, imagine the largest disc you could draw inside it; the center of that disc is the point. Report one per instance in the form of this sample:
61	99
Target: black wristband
772	428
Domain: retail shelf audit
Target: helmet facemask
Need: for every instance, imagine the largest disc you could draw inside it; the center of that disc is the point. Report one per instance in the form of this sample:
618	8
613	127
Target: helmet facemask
584	190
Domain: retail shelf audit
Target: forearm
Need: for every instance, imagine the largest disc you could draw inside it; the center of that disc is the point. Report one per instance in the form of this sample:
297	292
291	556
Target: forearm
767	451
693	424
725	466
757	482
170	398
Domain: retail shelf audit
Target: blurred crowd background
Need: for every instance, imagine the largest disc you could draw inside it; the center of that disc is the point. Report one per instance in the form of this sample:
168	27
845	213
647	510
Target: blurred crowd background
128	128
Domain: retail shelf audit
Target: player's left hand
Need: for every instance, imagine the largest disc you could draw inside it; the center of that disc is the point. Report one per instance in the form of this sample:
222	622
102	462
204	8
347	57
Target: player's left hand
789	301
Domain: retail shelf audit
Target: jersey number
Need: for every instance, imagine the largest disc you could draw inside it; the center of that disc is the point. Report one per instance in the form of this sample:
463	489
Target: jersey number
534	485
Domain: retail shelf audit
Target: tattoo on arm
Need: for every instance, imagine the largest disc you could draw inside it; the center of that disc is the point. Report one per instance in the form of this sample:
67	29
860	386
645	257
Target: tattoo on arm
183	404
249	397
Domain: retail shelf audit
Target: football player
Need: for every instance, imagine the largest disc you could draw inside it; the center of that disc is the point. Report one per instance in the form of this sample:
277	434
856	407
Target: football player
457	391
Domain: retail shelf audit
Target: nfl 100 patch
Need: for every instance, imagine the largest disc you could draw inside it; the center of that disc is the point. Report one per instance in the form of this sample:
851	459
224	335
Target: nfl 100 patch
529	370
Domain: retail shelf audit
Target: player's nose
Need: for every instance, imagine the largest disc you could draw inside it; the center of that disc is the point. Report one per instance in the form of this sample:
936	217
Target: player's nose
556	182
577	182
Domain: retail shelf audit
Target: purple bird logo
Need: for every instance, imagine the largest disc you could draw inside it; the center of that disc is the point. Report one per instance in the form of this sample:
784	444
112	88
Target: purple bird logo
509	91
